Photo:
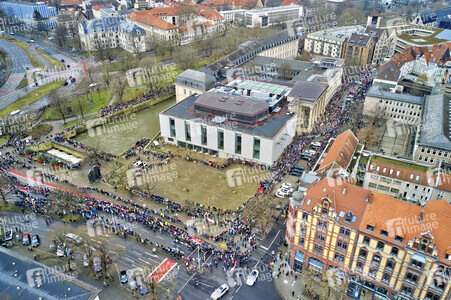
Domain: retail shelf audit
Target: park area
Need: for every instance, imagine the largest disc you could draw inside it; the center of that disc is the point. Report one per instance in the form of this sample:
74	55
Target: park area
181	181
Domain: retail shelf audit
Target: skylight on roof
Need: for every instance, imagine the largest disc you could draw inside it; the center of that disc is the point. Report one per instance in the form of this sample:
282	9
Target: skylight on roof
342	214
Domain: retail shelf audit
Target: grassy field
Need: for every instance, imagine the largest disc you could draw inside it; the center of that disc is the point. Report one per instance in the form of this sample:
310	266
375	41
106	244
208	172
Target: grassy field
181	180
24	81
3	139
24	46
39	130
131	93
53	61
97	104
74	122
31	97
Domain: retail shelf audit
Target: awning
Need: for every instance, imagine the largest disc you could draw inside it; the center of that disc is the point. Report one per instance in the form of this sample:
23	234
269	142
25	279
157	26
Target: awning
317	265
419	257
299	255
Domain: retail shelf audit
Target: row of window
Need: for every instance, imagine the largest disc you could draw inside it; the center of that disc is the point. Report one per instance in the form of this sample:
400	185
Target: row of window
398	173
401	104
220	137
434	152
397	237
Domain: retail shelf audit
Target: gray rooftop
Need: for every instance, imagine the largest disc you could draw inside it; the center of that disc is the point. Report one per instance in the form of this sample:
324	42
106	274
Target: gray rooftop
338	33
245	53
52	287
389	71
379	92
360	40
231	104
435	129
267	128
309	91
111	24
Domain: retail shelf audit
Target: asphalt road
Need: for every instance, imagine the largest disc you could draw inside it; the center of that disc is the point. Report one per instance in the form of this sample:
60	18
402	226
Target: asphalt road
20	62
135	255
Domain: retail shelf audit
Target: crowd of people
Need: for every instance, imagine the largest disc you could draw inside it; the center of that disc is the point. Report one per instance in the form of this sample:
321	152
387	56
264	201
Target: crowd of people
236	232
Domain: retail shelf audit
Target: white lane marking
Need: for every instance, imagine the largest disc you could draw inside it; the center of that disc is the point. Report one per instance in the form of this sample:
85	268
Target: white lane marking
159	237
137	253
263	247
129	259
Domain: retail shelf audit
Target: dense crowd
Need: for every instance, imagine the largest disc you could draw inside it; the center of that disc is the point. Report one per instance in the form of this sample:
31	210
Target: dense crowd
236	232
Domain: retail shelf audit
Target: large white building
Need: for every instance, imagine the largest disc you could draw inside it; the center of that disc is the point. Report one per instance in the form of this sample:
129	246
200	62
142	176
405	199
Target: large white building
264	17
243	126
111	32
329	42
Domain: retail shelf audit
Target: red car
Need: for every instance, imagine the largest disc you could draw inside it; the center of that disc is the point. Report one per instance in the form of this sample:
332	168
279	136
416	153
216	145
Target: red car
352	92
26	239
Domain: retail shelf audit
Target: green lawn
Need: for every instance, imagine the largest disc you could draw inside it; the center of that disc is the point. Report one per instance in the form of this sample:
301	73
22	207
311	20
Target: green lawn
31	97
180	180
39	130
97	104
131	93
399	164
74	122
24	81
53	61
24	46
3	139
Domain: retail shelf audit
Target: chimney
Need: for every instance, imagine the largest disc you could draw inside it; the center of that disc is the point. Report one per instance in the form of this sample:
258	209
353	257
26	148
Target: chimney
344	191
369	200
420	217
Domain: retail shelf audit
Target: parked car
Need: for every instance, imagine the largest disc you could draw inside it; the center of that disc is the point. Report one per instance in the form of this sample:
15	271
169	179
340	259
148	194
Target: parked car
97	264
52	246
252	278
280	194
7	244
287	185
219	292
124	277
74	238
295	173
31	41
62	60
8	235
35	240
26	239
315	145
85	261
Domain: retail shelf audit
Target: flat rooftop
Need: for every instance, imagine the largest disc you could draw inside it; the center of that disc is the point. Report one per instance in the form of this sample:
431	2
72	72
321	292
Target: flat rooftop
435	128
273	86
377	91
266	128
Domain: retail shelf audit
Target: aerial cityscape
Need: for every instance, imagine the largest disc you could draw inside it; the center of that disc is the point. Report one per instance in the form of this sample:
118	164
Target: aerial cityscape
225	149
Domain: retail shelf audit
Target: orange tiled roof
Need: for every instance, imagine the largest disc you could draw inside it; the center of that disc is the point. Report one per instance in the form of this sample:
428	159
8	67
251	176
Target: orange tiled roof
148	19
401	218
344	197
288	2
152	17
101	6
341	150
404	173
71	2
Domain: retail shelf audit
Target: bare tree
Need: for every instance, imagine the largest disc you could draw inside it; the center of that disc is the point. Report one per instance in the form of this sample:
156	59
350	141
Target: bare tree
107	77
285	71
60	34
60	102
120	88
7	184
185	58
80	105
105	251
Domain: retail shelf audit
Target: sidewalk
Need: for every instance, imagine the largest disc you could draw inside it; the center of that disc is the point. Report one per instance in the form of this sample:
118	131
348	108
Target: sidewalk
287	284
